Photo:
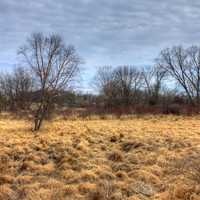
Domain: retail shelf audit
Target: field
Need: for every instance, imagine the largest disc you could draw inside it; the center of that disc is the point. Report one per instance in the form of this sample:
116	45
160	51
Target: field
101	159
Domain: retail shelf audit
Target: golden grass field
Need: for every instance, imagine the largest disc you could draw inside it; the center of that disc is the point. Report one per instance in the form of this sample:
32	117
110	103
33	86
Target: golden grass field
138	158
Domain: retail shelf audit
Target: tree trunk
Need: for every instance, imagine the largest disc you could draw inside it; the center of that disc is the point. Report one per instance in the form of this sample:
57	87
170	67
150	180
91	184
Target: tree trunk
40	116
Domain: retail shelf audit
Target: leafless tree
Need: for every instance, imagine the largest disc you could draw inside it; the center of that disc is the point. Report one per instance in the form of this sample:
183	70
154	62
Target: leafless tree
53	66
103	78
128	81
119	85
23	85
15	88
153	79
194	70
184	66
7	90
105	83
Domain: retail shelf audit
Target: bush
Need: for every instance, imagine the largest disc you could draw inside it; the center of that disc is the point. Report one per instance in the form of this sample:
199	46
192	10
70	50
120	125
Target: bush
174	109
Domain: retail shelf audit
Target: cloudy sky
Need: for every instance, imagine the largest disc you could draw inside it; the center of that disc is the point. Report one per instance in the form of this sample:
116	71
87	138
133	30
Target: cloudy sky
111	32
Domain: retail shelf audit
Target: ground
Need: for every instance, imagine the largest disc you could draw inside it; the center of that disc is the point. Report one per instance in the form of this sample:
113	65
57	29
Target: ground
133	158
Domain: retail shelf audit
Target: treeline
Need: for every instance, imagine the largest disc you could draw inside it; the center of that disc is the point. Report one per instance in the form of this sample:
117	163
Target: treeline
132	90
171	85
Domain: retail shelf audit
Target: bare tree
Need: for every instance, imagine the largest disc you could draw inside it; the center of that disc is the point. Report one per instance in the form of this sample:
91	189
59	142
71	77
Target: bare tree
105	83
119	85
153	79
7	90
53	66
194	70
184	66
128	81
23	85
16	87
104	77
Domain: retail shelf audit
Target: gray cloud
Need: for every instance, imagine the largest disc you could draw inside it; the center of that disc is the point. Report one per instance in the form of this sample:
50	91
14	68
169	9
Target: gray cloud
104	32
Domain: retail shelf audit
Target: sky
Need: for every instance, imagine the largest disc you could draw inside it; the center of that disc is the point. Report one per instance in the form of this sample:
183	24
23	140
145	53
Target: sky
104	32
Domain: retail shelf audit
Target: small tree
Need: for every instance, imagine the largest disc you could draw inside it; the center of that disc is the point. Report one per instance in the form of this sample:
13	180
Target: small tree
128	81
23	85
53	67
15	88
120	85
153	80
105	83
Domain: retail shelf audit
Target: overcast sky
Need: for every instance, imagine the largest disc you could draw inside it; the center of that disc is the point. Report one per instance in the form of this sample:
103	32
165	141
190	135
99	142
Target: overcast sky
111	32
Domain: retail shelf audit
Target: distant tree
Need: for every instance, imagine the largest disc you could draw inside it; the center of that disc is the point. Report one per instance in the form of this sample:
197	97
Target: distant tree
15	88
105	83
153	79
53	66
184	66
128	81
23	85
119	85
104	77
8	90
194	70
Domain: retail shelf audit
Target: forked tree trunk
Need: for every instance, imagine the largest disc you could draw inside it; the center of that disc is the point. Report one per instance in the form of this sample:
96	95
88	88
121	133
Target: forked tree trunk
40	116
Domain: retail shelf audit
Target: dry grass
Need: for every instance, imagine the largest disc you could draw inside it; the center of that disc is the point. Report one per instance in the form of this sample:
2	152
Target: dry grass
137	158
